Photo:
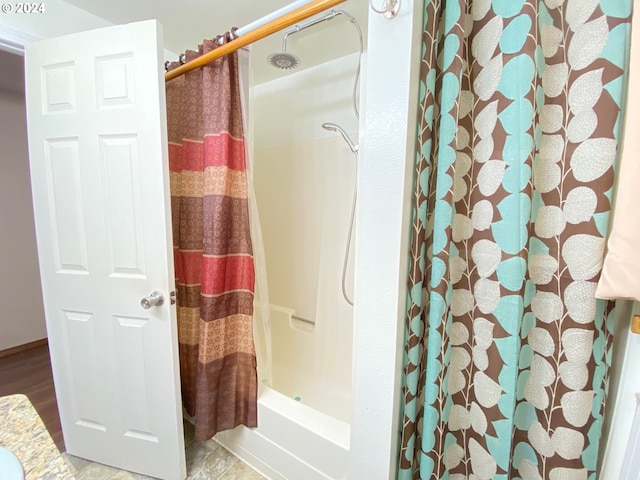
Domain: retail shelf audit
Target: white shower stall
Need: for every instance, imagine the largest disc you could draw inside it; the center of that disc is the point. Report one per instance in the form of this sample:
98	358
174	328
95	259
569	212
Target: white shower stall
304	179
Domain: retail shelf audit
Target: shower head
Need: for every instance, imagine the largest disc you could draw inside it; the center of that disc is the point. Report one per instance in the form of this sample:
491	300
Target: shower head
337	128
283	60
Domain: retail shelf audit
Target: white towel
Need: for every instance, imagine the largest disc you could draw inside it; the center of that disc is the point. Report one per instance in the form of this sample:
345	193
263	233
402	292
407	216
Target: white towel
621	270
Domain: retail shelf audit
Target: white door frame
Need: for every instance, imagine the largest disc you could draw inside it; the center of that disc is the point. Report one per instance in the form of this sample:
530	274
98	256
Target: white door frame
387	125
14	41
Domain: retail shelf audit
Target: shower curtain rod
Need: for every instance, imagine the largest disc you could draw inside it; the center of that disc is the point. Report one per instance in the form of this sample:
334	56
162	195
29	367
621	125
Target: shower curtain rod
259	33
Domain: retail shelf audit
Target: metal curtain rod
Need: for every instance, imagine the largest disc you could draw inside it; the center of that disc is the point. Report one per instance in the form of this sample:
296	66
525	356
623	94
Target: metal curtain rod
259	33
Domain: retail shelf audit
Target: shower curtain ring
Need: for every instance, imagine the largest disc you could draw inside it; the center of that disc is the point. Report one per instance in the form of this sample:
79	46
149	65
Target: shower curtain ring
390	8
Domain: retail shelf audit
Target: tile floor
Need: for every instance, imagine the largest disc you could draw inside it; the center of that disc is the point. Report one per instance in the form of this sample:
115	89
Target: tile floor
205	461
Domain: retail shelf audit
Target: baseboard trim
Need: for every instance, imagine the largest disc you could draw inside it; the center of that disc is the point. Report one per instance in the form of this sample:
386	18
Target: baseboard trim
22	348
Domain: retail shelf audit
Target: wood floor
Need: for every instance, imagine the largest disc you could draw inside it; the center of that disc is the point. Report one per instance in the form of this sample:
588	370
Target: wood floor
29	372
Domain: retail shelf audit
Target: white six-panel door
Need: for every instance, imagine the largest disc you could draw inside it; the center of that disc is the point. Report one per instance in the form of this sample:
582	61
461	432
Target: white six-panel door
99	169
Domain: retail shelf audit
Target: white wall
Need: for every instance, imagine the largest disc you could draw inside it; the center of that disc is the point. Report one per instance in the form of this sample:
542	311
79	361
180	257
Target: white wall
383	225
304	192
22	317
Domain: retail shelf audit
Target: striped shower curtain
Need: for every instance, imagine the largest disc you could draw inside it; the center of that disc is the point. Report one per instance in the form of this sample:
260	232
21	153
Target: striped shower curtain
212	245
507	349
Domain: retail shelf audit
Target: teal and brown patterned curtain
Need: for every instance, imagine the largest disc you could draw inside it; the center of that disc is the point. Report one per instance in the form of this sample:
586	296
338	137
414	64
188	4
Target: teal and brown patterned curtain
212	245
507	350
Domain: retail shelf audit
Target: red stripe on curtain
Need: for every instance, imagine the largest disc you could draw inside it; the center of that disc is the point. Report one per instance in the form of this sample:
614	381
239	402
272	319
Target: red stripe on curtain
188	266
224	150
217	150
220	274
193	155
175	157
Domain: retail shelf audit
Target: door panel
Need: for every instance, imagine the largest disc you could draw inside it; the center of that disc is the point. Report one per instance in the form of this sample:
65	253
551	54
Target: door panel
62	168
121	184
99	168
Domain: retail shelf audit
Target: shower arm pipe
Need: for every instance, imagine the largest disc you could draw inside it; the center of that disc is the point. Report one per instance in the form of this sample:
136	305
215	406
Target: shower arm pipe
279	23
330	16
298	28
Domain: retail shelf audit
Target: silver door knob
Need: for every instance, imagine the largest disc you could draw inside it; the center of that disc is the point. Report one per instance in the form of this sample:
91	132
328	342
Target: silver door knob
155	299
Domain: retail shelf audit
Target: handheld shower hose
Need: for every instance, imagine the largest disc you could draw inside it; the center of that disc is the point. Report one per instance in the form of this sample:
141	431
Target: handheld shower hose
354	150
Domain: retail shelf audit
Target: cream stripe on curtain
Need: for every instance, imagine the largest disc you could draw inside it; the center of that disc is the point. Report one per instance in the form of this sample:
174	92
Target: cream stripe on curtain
507	349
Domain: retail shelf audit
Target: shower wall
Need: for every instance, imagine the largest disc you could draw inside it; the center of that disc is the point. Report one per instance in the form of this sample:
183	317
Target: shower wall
292	107
304	178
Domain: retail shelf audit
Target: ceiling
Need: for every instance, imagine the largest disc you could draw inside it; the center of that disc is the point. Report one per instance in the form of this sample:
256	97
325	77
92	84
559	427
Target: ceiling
187	22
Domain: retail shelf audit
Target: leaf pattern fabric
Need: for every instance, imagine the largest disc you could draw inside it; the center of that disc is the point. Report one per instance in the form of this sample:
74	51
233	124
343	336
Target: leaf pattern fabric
507	350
